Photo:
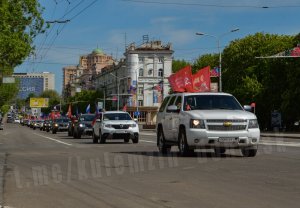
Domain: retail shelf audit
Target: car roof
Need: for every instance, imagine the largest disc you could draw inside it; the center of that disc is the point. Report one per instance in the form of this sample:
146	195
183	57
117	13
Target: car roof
106	112
200	93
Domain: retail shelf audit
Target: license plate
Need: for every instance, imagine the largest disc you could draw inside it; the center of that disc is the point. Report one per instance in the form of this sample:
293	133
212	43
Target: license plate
121	132
227	140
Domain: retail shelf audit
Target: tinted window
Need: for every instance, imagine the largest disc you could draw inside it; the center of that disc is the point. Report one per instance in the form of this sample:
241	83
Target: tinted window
61	120
164	104
89	117
116	116
211	102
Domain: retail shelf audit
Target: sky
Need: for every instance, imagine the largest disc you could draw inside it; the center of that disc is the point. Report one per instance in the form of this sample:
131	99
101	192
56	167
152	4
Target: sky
112	24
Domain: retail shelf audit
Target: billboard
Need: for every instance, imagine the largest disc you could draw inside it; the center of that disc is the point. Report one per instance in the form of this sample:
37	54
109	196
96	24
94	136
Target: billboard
30	85
39	102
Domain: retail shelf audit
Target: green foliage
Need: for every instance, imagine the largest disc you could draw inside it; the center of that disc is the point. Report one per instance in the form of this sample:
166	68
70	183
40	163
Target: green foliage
4	109
211	60
83	99
20	22
178	64
8	92
54	99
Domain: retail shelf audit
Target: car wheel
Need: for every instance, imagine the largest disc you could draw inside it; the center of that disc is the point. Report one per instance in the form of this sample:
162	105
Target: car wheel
219	151
249	152
95	138
102	139
162	147
182	144
135	139
126	140
69	133
53	132
78	136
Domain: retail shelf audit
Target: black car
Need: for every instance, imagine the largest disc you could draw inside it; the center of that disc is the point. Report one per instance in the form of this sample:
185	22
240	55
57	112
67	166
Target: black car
60	124
83	126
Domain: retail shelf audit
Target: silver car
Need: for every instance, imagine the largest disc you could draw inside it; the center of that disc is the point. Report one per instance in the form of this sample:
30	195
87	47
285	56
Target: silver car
115	125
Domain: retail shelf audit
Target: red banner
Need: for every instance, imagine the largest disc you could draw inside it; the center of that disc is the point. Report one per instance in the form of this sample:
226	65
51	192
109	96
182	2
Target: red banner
69	114
201	80
182	80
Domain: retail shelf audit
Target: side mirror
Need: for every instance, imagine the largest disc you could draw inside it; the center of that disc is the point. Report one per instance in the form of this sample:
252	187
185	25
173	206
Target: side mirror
248	108
172	108
135	120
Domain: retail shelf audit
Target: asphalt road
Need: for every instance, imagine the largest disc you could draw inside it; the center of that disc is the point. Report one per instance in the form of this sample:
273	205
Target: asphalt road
41	170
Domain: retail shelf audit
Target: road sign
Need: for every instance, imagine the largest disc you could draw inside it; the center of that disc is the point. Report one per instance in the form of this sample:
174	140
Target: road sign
136	113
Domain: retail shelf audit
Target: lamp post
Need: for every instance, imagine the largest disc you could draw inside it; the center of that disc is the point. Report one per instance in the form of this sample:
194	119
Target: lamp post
118	83
219	50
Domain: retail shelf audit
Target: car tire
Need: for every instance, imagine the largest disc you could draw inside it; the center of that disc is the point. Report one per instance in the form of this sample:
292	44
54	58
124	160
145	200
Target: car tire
78	135
135	139
182	144
102	139
95	138
162	147
247	152
53	132
219	151
126	140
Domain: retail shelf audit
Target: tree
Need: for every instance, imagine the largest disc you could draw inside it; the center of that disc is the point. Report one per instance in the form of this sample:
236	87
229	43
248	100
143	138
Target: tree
54	99
263	81
178	64
211	60
20	23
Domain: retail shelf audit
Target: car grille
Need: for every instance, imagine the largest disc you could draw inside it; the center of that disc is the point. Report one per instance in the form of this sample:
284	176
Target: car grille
120	126
226	128
226	124
88	125
63	125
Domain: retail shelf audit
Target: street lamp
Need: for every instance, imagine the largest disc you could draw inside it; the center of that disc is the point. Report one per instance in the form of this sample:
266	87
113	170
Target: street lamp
118	93
219	50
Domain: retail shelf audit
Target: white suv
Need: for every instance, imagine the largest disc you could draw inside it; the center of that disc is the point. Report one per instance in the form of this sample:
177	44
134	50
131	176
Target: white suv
115	125
206	121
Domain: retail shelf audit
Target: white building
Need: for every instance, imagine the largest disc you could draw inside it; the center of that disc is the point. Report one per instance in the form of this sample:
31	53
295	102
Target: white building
140	80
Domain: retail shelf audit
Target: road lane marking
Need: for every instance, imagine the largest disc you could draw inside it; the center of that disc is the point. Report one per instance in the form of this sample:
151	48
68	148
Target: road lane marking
141	140
58	141
288	144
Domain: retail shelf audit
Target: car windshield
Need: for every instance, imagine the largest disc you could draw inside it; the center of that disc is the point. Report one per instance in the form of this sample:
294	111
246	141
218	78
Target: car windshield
211	102
116	116
62	120
89	117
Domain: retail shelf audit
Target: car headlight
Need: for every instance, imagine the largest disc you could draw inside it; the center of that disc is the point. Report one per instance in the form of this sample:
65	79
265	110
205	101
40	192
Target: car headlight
253	124
82	125
197	124
132	125
108	125
55	124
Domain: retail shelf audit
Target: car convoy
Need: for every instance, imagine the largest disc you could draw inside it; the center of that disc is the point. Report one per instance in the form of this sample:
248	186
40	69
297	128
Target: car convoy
189	121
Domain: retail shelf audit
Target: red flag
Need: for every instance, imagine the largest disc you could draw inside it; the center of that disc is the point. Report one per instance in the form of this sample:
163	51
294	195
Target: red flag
125	108
69	114
201	80
181	81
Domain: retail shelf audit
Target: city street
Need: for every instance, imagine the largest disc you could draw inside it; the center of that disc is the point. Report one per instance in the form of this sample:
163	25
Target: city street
41	170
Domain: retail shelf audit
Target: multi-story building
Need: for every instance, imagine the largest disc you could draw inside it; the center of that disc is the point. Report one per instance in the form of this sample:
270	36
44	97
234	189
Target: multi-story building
82	76
140	81
34	83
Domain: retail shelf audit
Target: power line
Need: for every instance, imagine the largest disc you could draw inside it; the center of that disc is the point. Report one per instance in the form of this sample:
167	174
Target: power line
209	5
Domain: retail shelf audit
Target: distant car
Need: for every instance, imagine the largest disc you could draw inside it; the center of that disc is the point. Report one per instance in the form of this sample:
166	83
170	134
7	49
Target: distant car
1	126
10	120
60	124
37	124
17	120
83	126
115	125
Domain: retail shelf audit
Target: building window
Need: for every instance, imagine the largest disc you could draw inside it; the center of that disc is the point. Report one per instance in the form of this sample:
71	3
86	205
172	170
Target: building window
141	72
141	59
150	71
160	60
160	72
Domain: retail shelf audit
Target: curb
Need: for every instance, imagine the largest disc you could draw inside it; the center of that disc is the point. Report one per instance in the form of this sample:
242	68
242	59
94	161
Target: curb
281	136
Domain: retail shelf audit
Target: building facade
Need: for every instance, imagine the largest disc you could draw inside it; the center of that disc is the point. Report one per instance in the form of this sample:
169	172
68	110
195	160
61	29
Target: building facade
139	82
82	76
34	83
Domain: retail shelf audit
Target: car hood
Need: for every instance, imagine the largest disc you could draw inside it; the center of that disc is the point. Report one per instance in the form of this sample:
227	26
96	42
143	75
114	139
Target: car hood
118	122
220	114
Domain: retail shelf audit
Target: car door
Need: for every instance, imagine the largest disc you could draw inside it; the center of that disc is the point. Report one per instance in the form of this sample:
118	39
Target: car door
175	119
167	123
